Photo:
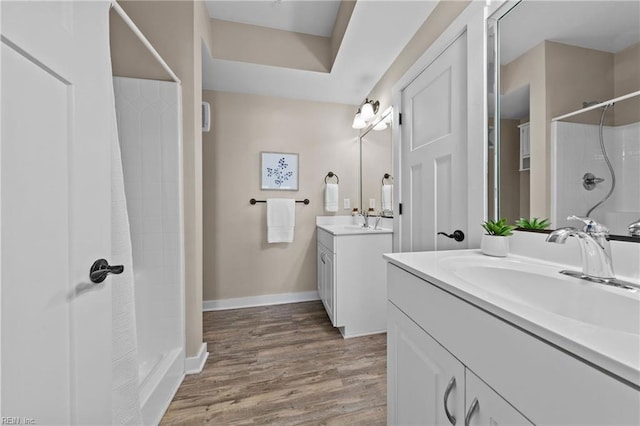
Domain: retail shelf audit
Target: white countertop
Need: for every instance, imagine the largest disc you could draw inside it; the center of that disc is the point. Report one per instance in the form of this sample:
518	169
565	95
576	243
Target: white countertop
344	229
617	352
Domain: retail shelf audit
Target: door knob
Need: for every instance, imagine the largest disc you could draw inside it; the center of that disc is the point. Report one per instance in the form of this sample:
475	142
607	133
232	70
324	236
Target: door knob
457	235
101	268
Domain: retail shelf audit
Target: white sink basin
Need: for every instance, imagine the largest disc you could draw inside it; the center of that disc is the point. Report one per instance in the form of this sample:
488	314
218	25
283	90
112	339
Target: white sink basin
540	286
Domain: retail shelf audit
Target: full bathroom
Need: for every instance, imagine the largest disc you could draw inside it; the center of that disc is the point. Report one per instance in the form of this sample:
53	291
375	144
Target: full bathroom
320	212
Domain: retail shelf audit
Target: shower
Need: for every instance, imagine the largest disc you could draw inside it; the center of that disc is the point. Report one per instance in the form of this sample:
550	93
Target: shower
589	180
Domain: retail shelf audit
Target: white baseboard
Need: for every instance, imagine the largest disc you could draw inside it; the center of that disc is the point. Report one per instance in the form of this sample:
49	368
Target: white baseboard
195	364
269	299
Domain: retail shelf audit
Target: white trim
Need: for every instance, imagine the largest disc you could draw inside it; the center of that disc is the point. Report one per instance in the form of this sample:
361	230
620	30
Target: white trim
160	386
264	300
144	40
471	20
195	364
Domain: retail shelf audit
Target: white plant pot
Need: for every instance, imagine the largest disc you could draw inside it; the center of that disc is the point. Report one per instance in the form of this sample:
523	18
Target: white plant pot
493	245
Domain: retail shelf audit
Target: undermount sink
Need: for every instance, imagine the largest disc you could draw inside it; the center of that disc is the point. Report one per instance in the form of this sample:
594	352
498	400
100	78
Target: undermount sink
541	287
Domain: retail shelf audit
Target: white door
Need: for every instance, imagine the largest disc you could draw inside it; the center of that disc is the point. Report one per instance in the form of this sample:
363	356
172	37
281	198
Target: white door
55	212
425	383
434	153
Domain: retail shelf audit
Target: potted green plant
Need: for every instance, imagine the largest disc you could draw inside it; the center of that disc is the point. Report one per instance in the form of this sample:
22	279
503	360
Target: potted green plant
533	223
494	241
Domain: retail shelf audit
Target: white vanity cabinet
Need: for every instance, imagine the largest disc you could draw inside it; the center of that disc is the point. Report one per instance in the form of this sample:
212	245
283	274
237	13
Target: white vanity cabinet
351	278
428	385
516	377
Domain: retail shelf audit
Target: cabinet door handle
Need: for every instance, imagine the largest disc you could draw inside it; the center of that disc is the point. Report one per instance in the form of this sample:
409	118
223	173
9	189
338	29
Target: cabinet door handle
322	257
474	407
450	386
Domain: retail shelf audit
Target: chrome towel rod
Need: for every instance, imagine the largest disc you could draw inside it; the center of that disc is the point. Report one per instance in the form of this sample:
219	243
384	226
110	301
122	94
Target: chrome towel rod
253	201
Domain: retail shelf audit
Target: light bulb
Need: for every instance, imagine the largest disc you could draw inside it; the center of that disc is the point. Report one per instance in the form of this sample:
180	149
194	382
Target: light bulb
367	111
358	122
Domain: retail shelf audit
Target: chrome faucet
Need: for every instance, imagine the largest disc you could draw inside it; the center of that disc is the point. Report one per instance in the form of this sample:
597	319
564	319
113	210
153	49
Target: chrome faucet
365	216
378	219
594	247
634	228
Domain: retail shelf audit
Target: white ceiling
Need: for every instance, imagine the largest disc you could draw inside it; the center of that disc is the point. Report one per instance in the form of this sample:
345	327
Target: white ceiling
607	25
376	34
310	17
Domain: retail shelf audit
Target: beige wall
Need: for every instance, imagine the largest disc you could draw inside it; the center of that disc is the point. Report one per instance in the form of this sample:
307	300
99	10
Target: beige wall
340	27
170	27
529	69
509	170
576	75
250	43
239	261
235	41
441	17
627	80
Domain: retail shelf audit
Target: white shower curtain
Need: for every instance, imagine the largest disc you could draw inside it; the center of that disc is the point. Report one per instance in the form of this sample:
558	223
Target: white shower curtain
125	409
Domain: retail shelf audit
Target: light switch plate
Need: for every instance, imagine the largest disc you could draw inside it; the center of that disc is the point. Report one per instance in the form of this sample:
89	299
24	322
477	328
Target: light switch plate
372	203
347	204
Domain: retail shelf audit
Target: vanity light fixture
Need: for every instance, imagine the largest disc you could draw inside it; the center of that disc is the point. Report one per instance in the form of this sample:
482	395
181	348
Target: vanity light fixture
382	124
369	109
365	113
358	122
385	121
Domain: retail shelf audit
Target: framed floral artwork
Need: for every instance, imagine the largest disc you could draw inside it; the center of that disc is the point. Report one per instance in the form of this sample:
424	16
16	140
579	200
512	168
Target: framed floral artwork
279	171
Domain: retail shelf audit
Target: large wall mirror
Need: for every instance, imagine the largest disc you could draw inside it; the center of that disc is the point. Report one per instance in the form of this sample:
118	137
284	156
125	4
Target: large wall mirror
376	176
564	127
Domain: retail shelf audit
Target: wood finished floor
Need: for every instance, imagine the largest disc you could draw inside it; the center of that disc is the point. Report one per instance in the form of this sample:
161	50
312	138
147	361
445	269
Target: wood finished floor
283	365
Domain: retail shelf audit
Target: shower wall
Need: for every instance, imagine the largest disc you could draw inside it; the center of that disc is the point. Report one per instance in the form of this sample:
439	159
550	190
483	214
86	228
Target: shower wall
149	132
576	151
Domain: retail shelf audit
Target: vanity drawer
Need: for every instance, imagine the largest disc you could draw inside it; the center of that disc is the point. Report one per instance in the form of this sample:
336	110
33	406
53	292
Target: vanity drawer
546	384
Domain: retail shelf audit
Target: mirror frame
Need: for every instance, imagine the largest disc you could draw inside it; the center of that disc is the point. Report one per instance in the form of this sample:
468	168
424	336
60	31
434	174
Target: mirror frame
493	103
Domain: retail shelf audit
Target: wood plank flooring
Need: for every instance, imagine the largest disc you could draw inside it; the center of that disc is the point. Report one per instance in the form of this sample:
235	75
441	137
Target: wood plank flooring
283	365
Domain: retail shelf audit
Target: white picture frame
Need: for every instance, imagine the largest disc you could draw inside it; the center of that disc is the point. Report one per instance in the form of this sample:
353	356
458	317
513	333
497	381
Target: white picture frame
279	171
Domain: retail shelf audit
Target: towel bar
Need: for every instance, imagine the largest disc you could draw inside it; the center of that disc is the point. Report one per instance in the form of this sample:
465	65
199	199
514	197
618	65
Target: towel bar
253	201
330	175
386	176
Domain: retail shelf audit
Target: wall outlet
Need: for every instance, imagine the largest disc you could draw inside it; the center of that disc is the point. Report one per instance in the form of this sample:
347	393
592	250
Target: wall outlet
347	204
372	203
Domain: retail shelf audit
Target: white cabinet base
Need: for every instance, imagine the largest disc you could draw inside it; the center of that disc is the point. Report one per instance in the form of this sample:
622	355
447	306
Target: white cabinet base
546	385
351	281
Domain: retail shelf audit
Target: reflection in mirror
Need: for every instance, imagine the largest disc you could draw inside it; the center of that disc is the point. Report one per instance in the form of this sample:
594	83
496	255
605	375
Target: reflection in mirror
567	135
375	163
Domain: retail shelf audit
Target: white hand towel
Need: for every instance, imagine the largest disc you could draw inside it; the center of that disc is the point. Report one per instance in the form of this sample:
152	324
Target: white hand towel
387	197
281	220
331	197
